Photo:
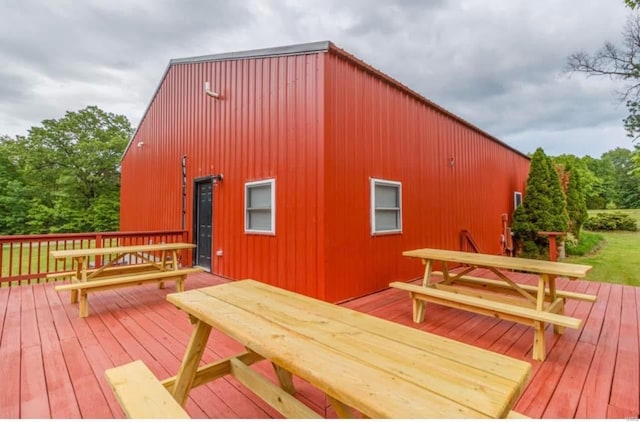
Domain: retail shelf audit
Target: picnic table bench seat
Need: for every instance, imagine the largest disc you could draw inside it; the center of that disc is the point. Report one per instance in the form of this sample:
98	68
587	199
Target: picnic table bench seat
506	311
141	395
117	281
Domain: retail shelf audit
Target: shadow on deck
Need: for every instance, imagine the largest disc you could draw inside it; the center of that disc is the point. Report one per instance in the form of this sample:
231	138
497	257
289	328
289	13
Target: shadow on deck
52	362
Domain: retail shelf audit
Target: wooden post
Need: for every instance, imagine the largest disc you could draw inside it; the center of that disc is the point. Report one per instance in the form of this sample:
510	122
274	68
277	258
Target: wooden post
553	246
553	249
98	262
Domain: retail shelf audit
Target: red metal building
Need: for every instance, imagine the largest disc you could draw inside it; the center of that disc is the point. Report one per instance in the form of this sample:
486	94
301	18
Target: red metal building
306	168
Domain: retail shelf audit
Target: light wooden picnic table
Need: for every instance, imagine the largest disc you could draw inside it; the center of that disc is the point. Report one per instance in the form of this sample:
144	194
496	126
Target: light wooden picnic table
501	298
113	255
379	368
142	266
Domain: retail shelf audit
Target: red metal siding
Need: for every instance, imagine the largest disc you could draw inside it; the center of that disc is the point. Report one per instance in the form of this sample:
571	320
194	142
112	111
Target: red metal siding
375	129
268	125
322	125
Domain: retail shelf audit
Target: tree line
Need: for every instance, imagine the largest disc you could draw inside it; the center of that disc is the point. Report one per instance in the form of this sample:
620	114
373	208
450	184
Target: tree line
610	181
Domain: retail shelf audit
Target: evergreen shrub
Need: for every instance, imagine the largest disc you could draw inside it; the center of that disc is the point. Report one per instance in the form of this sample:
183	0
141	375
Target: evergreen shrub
544	208
603	221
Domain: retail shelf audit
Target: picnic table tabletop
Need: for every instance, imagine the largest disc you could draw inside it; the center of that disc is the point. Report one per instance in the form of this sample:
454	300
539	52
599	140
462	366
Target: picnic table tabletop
500	261
155	247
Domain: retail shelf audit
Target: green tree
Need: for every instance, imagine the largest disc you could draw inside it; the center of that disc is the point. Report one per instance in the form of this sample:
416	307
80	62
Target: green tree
592	185
543	208
576	203
14	205
69	172
626	181
603	192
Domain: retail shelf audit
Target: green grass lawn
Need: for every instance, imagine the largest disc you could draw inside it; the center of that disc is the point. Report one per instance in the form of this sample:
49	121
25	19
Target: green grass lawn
618	258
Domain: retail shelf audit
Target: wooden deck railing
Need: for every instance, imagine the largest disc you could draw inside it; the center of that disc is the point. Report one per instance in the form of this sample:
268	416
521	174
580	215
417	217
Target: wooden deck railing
25	259
467	244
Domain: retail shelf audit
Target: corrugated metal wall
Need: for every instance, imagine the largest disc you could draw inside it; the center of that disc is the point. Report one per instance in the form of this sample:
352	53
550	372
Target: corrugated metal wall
374	129
322	126
268	125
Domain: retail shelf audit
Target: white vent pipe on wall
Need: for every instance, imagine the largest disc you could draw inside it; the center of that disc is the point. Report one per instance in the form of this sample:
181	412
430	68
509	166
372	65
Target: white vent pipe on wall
209	92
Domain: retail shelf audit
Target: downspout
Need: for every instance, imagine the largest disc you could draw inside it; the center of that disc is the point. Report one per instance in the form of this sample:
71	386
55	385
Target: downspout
184	192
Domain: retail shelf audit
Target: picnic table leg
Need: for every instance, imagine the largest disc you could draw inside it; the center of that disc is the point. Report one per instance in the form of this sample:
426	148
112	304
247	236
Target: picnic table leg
190	362
445	273
426	280
419	305
80	272
83	306
180	283
163	264
558	329
539	346
342	410
174	257
163	259
418	309
285	379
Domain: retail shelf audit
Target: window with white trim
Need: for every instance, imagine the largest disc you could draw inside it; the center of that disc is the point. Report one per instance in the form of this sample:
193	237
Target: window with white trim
517	199
260	207
386	206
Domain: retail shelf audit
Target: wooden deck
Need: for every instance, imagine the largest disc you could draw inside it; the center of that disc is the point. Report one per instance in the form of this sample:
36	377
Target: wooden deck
52	363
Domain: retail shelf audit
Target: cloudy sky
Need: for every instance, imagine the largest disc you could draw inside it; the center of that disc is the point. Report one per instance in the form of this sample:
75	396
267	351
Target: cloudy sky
496	63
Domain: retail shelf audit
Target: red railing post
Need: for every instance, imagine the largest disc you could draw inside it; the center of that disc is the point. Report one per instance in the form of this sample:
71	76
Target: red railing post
553	246
1	258
98	245
553	249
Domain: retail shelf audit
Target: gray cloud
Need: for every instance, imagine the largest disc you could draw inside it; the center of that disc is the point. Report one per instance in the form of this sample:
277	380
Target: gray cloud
373	18
497	64
112	34
12	86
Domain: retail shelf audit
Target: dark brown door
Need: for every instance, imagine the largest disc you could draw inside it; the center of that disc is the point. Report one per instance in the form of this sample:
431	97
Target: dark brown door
203	223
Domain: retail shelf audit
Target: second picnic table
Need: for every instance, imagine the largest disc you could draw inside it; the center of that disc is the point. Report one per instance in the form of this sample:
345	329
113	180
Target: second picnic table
115	272
502	298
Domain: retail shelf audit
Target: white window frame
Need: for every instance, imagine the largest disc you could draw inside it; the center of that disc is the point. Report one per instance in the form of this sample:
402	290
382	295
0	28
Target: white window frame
249	185
393	183
516	194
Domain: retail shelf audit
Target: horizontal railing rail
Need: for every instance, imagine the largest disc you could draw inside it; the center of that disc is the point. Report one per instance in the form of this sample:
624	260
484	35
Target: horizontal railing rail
26	259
